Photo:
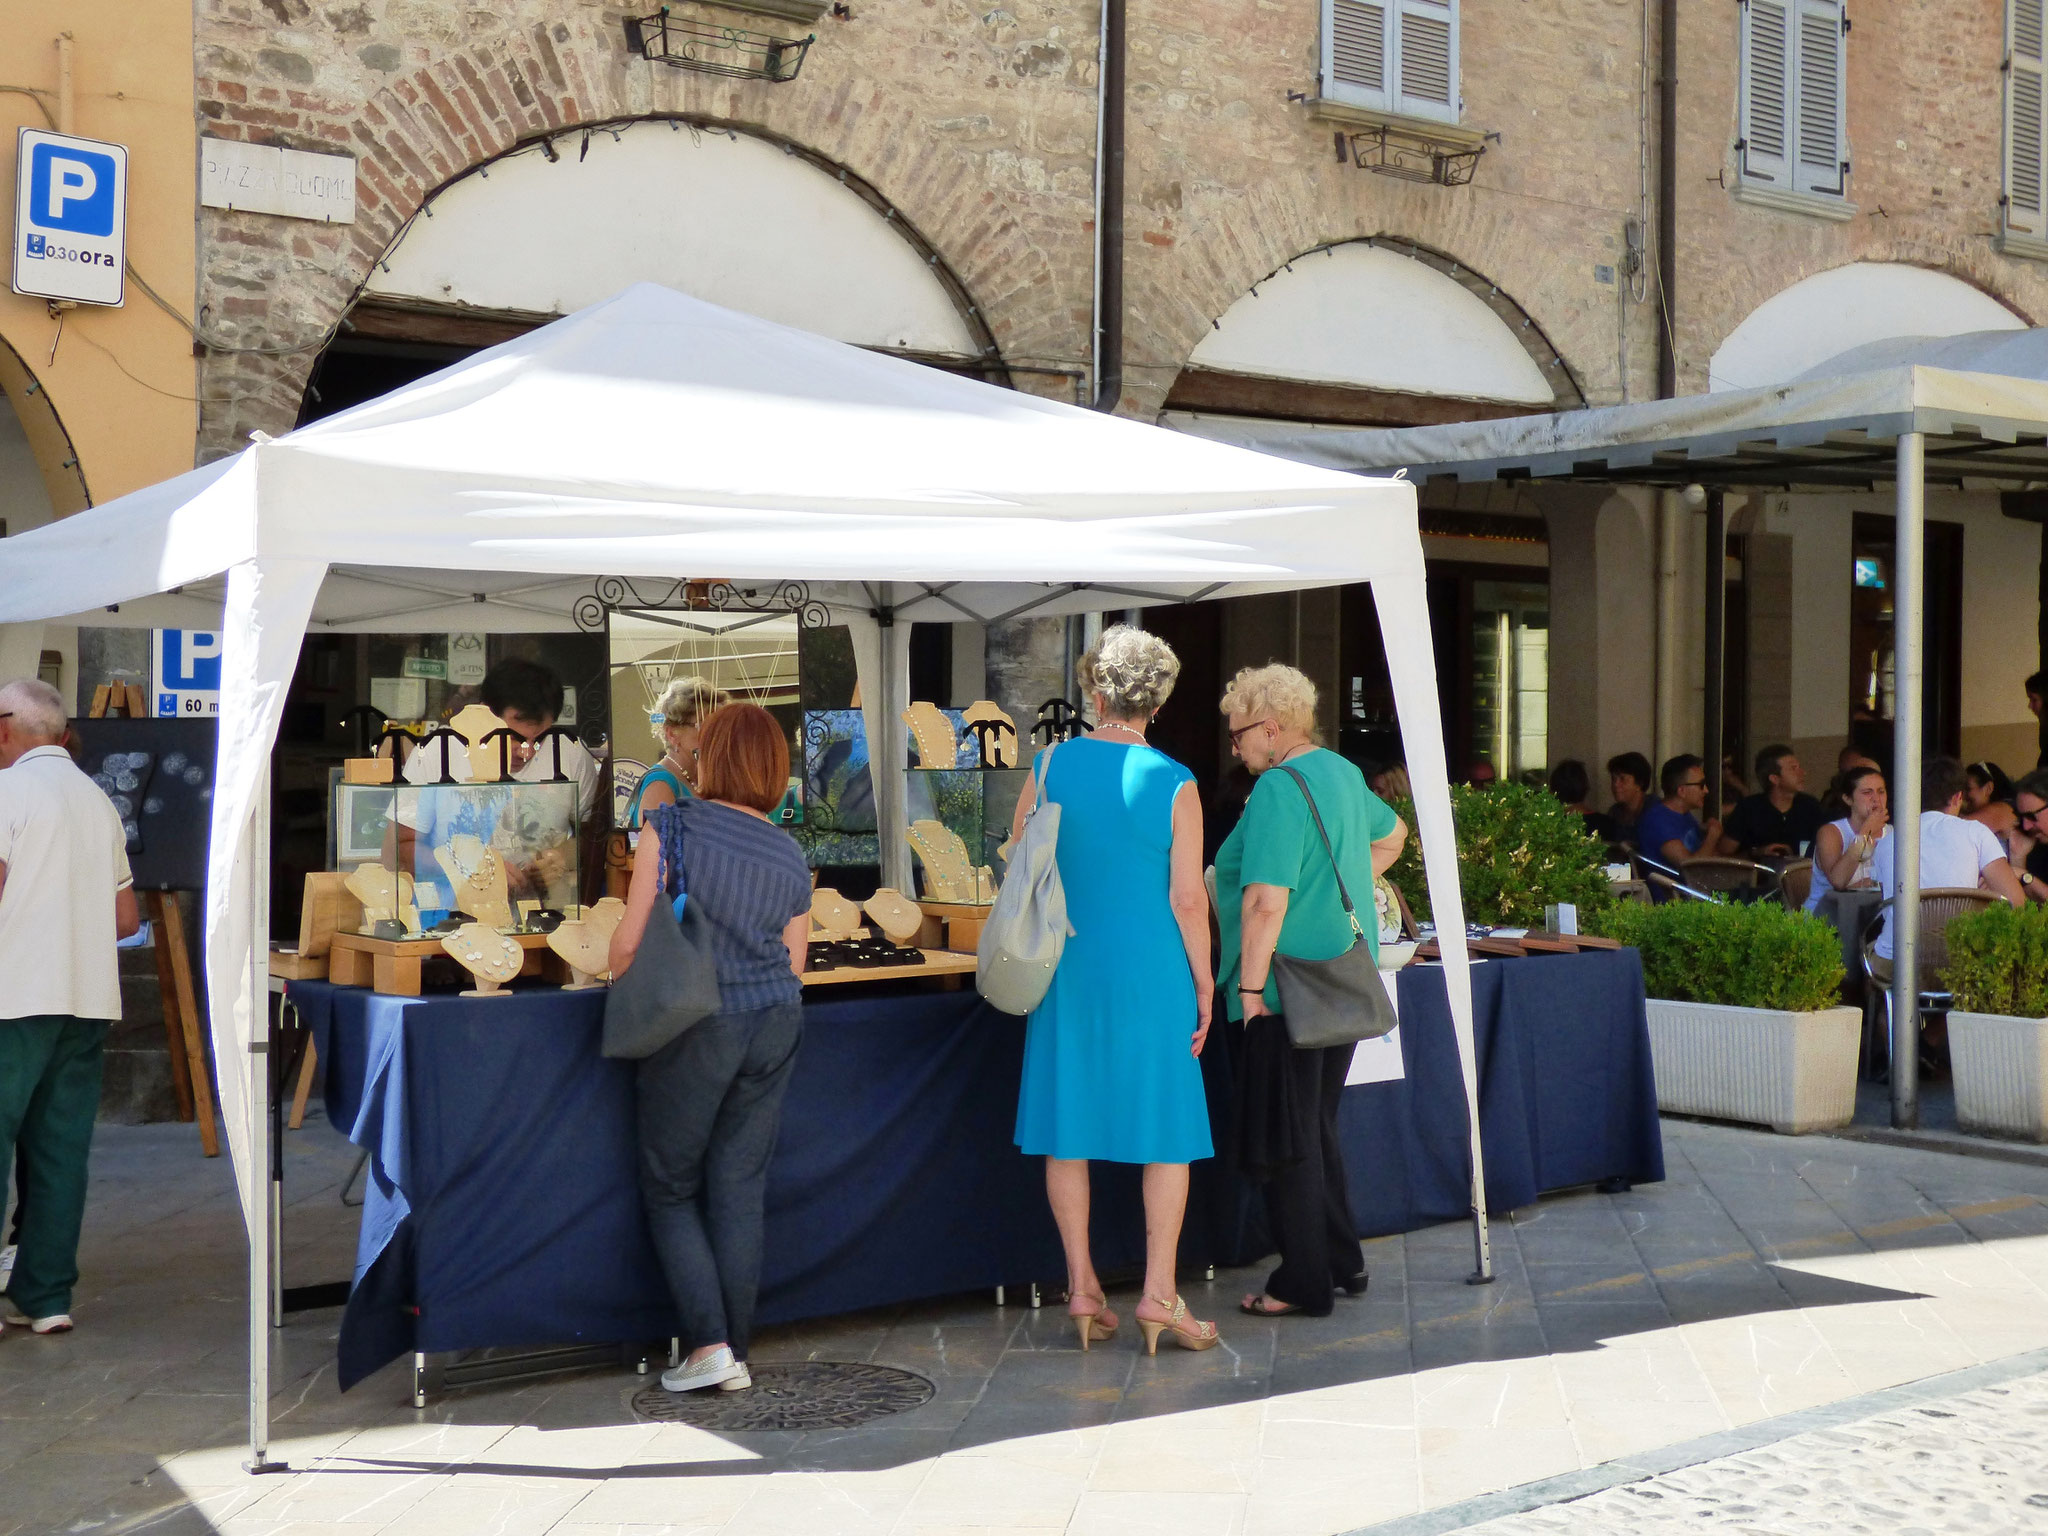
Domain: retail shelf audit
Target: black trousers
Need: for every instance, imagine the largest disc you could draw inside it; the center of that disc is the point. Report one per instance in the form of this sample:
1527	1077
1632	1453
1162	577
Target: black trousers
1308	1204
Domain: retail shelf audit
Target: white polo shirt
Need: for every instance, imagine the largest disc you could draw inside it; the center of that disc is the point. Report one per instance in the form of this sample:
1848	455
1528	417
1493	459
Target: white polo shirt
66	857
1953	852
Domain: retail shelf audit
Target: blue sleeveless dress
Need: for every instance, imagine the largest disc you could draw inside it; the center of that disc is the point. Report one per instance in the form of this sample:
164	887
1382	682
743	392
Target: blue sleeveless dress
1108	1068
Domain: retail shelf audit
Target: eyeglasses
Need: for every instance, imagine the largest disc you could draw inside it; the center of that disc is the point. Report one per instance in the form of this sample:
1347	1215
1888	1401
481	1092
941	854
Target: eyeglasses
6	714
2030	815
1237	734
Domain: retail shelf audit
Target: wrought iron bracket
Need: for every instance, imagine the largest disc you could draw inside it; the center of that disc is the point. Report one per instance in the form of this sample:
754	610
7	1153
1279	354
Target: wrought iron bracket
713	49
1411	156
612	594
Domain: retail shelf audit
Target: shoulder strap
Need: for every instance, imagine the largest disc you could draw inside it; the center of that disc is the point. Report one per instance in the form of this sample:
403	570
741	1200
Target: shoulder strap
1322	832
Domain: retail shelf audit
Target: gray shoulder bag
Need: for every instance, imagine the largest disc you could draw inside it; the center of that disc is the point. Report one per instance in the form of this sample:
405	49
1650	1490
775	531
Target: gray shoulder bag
671	986
1333	1002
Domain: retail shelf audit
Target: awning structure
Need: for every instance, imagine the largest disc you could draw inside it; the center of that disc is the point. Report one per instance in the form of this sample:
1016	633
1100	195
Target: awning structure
652	438
1838	432
1968	412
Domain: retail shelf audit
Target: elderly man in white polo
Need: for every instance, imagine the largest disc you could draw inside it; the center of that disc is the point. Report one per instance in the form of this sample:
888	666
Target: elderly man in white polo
65	896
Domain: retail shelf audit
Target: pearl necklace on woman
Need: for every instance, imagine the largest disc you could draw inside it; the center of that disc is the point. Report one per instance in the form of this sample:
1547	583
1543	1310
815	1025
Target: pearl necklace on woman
1129	730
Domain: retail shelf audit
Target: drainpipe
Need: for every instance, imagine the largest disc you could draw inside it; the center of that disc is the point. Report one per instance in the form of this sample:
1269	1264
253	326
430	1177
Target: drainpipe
1667	199
1109	210
66	115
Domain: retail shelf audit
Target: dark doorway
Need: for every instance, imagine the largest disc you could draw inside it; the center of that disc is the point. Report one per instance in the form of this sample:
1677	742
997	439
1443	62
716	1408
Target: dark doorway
1873	583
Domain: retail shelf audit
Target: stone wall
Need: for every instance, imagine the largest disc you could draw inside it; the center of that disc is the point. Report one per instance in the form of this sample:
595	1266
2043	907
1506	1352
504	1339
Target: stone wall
979	126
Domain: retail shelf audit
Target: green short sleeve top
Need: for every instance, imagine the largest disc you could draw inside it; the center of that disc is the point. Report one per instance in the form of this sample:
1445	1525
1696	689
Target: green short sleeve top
1275	843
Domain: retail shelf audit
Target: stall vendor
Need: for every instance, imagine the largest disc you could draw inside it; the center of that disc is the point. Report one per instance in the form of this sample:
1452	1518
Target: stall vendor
528	698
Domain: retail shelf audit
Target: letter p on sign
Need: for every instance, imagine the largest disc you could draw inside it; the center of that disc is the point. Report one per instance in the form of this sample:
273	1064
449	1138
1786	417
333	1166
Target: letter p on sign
70	217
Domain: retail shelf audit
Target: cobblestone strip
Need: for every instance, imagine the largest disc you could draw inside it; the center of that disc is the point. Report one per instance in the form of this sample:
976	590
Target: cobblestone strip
1964	1452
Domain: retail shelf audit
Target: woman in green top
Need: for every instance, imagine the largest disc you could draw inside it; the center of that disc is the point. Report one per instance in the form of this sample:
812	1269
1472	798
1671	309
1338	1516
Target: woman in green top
1276	893
685	704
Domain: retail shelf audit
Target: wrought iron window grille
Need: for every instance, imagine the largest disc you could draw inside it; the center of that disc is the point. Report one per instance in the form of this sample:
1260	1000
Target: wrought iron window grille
1390	151
712	49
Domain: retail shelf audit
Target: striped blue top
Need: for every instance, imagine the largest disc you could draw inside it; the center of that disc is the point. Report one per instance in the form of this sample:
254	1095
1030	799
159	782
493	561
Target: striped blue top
748	879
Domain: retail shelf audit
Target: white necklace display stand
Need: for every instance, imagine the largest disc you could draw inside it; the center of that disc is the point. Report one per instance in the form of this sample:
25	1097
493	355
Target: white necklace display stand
487	955
586	948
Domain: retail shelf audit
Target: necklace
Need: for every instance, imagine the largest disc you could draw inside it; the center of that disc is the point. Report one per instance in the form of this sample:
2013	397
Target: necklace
1117	725
1294	752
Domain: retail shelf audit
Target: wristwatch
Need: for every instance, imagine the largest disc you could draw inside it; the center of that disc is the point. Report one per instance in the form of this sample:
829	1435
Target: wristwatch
2026	877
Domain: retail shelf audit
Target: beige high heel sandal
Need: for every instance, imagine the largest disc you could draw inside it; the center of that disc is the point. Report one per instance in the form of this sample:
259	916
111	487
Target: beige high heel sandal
1089	1325
1201	1336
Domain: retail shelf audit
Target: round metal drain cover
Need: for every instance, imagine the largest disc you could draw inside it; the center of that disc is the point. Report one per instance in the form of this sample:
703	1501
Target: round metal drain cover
794	1394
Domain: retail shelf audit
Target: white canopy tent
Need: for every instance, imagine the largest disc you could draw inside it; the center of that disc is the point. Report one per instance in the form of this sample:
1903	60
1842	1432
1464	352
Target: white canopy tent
656	436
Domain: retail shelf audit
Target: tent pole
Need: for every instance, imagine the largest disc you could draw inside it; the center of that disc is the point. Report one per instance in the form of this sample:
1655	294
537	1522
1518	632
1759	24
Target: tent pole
1908	598
1717	648
263	1217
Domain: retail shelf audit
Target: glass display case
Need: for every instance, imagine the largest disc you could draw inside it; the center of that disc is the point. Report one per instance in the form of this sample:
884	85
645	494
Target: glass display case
974	806
419	854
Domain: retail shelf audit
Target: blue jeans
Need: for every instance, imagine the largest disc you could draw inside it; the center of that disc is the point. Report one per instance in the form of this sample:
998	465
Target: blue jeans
710	1105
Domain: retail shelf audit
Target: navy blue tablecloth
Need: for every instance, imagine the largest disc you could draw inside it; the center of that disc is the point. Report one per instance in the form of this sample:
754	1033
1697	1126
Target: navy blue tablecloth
503	1208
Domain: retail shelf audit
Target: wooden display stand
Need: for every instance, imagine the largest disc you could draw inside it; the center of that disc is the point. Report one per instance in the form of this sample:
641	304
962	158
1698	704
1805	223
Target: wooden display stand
392	966
956	925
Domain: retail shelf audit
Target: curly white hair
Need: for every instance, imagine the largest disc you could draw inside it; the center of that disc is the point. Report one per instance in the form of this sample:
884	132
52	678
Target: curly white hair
1133	671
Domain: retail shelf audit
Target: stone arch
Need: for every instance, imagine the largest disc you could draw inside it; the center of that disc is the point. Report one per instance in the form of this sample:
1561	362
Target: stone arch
1826	312
1502	358
474	104
1222	249
44	436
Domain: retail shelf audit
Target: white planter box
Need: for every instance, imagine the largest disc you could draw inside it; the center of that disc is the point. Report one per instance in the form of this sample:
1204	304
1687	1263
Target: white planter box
2001	1073
1794	1072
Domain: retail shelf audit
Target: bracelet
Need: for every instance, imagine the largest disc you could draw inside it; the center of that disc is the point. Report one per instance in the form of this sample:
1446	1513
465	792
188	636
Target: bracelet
1252	991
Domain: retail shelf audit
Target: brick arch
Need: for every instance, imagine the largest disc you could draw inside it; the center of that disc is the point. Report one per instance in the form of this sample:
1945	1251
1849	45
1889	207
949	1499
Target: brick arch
1982	269
1283	218
450	119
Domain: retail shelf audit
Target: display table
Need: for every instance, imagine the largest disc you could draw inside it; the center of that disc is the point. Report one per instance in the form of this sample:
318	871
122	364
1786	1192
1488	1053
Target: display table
503	1205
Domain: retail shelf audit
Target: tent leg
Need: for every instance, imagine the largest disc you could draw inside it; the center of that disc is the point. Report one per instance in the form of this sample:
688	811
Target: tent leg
262	1225
1715	692
1907	601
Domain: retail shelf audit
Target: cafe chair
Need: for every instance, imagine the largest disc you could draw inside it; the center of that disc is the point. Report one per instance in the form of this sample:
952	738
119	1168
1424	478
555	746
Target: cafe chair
1714	873
1655	872
1939	906
1795	884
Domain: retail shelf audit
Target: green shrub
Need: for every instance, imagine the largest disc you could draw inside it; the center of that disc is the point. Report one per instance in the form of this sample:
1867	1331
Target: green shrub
1998	961
1757	956
1519	850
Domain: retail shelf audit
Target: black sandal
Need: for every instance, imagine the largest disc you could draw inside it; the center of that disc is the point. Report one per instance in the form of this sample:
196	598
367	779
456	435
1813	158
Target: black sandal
1257	1307
1356	1285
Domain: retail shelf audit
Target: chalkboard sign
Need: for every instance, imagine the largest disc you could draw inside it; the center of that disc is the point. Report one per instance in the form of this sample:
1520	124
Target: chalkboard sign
159	774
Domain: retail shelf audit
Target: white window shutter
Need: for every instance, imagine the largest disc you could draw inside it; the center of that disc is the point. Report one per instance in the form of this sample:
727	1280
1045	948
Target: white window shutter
1820	99
1767	86
1426	58
1355	53
2026	149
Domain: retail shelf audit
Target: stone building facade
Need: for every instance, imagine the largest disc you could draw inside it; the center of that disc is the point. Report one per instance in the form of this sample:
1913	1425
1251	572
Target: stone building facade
974	128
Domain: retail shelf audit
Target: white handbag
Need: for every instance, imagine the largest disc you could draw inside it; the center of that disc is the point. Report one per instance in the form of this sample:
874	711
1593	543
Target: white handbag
1027	929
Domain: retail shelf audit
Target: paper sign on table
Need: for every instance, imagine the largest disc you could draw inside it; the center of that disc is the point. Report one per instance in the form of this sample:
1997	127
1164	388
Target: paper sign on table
1379	1061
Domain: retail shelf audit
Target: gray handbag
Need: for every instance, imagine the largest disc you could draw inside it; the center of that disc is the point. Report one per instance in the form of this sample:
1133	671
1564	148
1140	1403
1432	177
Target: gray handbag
671	985
1024	936
1333	1002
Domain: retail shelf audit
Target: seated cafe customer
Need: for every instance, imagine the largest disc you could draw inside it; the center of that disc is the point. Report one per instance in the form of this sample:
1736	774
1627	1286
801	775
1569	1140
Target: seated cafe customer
1570	782
1953	852
710	1101
1628	776
2028	844
1780	819
1671	830
1845	850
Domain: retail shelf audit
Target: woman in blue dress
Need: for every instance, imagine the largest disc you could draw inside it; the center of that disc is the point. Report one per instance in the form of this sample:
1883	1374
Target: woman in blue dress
685	704
1110	1067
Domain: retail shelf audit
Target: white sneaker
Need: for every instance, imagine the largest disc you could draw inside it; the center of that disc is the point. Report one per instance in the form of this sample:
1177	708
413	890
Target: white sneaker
738	1383
57	1322
708	1372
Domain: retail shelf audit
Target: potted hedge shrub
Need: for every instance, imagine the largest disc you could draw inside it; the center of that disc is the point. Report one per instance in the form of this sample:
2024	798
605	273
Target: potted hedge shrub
1746	1021
1519	851
1998	974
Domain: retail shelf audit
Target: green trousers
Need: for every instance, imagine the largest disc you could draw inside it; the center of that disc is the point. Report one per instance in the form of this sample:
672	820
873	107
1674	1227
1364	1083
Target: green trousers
49	1099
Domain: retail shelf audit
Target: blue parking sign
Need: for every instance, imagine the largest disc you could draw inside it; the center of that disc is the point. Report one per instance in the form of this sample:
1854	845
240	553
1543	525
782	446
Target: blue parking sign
70	217
185	672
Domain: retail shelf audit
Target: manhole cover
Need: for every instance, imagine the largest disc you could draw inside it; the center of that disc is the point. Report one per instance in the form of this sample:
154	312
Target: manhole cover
794	1394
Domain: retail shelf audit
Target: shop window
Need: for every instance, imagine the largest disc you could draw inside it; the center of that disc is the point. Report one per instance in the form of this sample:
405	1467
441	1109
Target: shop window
1393	55
1794	149
2025	200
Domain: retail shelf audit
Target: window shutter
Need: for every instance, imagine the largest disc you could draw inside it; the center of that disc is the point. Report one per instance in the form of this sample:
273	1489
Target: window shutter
1766	91
1355	52
2026	156
1820	97
1426	77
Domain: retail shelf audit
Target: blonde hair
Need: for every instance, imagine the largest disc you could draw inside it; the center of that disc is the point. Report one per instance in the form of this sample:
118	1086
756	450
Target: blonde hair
1273	692
688	701
1133	671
